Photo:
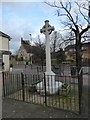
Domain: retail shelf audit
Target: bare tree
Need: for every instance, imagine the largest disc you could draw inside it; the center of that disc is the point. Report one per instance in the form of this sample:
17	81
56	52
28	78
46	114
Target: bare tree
55	40
67	39
73	20
76	16
40	50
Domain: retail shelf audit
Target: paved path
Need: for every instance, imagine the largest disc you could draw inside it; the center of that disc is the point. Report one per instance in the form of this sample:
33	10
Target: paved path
17	109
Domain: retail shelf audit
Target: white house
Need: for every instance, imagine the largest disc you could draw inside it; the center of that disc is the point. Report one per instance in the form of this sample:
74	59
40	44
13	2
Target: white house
4	50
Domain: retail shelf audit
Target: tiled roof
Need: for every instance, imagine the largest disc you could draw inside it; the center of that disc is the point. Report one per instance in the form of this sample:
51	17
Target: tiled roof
27	48
87	43
69	47
5	35
26	42
73	46
26	45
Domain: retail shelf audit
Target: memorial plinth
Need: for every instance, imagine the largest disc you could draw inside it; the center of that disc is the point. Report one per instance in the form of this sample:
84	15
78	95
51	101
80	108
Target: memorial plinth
51	85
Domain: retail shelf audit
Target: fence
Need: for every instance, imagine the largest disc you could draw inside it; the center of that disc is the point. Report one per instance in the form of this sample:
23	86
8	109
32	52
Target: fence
36	89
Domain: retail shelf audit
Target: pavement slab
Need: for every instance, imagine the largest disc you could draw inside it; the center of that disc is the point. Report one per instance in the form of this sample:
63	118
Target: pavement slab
18	109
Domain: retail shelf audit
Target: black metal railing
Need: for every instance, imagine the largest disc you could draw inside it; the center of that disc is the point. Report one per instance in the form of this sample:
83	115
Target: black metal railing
39	90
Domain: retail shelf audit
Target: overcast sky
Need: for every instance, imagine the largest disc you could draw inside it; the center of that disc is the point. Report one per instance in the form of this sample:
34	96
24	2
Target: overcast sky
20	18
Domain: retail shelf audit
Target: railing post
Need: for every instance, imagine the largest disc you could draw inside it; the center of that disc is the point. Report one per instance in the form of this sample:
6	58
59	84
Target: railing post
80	86
23	91
3	84
45	90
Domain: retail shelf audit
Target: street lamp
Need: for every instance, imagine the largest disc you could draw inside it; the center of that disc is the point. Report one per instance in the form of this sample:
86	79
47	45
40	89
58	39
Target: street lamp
31	49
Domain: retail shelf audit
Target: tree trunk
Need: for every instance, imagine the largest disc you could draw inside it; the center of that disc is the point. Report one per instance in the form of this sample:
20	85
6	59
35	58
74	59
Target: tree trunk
79	67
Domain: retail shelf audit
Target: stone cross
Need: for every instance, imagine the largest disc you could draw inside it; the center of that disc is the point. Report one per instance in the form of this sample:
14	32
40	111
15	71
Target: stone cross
47	30
52	86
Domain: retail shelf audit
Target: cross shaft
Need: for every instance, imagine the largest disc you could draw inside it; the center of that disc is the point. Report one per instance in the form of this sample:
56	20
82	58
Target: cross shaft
47	30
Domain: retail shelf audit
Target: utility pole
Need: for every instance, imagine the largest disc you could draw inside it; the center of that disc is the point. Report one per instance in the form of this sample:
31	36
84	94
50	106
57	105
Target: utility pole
31	49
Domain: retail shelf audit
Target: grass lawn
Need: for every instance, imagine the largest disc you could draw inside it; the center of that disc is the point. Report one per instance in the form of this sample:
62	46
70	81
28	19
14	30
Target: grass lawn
67	102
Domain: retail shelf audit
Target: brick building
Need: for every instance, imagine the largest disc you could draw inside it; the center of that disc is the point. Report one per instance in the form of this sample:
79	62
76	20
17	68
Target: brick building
71	52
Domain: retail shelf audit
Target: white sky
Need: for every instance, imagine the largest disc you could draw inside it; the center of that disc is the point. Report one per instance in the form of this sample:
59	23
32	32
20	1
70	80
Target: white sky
22	17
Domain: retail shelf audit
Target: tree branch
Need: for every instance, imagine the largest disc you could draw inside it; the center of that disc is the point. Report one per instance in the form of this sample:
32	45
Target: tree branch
74	30
84	30
76	19
82	13
68	14
64	8
52	5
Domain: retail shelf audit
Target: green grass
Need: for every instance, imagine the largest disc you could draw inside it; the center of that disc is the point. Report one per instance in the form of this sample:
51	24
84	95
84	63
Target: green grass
68	102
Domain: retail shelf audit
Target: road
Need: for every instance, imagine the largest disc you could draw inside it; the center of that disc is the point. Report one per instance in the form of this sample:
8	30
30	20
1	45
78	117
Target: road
66	72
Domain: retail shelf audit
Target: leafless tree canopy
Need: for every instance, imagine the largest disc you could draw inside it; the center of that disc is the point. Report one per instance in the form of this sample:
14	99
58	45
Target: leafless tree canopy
76	14
59	40
55	40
